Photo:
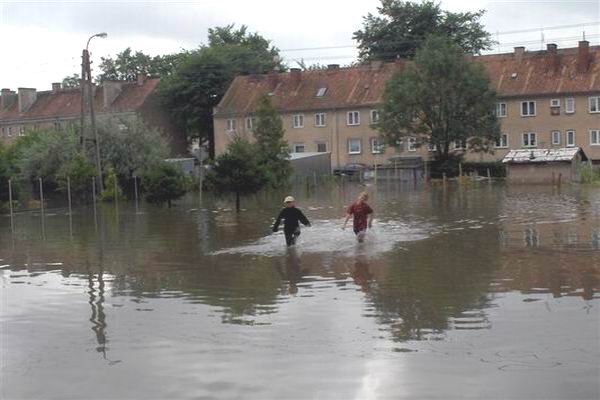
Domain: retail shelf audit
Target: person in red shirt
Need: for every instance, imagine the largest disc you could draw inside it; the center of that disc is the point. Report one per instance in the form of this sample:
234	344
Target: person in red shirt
362	215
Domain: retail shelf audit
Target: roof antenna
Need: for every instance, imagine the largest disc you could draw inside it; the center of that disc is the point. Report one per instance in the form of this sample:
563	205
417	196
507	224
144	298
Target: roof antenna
584	35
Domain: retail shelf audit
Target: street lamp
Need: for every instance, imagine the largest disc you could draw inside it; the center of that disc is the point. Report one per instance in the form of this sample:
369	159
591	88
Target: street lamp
86	82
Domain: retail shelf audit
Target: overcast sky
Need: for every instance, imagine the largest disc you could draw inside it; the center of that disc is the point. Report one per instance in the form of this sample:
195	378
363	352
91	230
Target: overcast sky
41	41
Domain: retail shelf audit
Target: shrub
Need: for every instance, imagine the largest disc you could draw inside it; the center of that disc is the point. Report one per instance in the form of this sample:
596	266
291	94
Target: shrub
80	171
111	190
164	183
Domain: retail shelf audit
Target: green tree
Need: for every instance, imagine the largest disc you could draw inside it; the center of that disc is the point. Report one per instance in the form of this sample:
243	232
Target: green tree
45	155
80	172
164	183
112	191
71	81
273	153
203	76
129	146
237	171
4	173
402	26
128	64
441	97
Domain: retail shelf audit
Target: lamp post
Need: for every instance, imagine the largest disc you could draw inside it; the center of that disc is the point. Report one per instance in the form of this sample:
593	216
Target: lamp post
86	91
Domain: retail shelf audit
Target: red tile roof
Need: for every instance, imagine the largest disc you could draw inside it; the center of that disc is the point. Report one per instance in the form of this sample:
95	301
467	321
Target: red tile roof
363	85
67	102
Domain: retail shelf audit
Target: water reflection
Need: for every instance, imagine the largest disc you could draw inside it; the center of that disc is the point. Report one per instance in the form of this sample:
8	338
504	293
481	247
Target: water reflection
439	264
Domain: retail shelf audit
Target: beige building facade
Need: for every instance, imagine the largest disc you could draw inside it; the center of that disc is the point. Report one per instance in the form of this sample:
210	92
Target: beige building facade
547	99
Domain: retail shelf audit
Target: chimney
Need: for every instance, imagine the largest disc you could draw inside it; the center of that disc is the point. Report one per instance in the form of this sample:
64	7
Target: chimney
552	61
519	51
55	87
295	76
7	98
583	56
110	91
333	66
26	98
273	79
141	78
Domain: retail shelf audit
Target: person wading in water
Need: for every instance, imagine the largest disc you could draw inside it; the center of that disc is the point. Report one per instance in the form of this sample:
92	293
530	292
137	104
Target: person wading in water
363	216
291	216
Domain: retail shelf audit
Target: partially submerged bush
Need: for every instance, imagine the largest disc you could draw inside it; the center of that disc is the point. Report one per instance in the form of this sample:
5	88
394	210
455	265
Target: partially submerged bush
164	183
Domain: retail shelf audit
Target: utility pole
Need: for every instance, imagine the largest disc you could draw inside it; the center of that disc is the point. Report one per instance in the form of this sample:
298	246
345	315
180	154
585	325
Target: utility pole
87	94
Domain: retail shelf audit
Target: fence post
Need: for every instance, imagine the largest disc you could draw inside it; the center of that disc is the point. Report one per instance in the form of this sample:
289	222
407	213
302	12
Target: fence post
10	202
41	196
94	202
135	189
315	178
116	195
444	179
69	193
460	171
489	174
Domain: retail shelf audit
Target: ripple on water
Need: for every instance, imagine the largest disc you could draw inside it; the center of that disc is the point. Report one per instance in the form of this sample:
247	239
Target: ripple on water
326	236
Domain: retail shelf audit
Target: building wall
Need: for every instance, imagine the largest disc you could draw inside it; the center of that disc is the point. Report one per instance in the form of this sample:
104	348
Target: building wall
337	133
541	173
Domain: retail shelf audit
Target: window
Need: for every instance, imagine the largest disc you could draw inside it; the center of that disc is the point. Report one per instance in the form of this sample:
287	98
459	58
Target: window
570	105
556	137
570	138
122	127
353	118
354	146
460	144
527	108
594	104
57	125
321	92
595	137
320	119
377	145
9	131
250	121
3	131
374	116
529	139
501	109
21	131
412	144
502	142
298	147
321	147
431	147
231	122
555	103
299	121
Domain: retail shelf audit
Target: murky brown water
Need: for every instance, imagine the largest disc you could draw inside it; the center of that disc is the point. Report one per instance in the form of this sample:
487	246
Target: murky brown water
483	292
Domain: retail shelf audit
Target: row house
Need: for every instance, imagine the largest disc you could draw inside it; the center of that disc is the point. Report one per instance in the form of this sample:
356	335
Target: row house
29	110
547	99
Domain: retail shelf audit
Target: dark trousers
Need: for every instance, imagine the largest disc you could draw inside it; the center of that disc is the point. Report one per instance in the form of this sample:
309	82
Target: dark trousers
291	236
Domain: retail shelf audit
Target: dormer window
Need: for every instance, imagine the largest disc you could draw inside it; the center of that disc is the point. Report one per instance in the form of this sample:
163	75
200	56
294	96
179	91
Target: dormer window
321	92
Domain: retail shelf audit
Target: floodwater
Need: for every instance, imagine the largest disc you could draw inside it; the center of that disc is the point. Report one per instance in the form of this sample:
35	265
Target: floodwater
479	292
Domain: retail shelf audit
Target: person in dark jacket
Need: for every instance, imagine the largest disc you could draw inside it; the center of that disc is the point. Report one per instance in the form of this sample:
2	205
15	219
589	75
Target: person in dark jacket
291	217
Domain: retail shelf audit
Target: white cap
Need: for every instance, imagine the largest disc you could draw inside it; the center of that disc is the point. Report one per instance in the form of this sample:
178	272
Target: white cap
289	199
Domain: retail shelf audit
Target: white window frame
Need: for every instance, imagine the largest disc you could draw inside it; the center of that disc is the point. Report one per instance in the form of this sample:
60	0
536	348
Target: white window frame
412	144
359	141
3	131
529	113
529	136
499	109
375	116
9	131
499	144
323	122
21	131
571	101
324	144
597	133
462	145
431	147
298	121
231	124
353	118
295	147
321	92
570	132
595	102
377	145
250	123
554	102
554	135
